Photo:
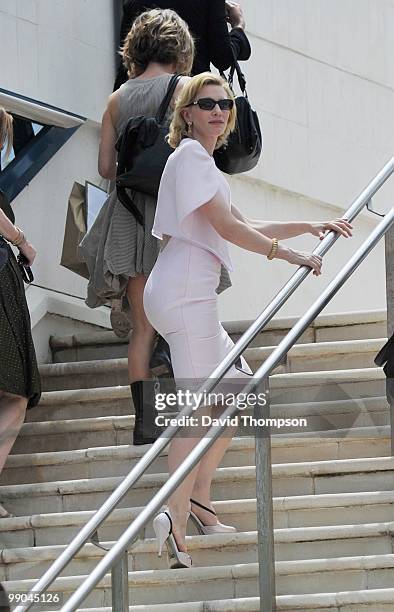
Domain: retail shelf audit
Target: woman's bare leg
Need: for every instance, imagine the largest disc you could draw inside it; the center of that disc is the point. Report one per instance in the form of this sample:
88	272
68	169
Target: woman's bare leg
12	415
201	491
143	334
179	502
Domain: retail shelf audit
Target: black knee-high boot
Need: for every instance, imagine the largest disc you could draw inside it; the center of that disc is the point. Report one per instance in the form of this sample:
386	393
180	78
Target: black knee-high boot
145	429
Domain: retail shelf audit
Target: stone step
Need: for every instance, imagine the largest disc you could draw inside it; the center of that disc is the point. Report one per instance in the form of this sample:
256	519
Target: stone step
289	512
313	357
74	434
285	388
116	401
117	460
325	356
82	403
310	357
348	475
327	385
371	600
292	577
326	328
59	434
290	545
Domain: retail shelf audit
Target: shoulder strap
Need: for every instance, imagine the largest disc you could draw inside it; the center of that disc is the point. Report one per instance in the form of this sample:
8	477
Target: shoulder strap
161	113
235	67
241	77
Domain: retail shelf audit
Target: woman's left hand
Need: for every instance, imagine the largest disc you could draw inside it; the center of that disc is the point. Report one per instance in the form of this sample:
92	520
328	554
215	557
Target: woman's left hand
341	226
28	251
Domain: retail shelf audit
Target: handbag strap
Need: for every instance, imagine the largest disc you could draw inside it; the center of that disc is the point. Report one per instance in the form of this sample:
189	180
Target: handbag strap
161	113
235	67
240	75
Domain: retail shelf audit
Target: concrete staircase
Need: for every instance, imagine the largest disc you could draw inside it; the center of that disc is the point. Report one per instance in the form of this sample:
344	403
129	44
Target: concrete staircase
333	487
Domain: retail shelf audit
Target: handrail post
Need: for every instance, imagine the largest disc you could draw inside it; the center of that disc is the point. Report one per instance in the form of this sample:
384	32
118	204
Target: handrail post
389	258
120	584
265	521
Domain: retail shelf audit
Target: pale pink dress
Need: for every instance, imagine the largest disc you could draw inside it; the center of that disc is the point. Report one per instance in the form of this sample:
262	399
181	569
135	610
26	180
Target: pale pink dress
180	299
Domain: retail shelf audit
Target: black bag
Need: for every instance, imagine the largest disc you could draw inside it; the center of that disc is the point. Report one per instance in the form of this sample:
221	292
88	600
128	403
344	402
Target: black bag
143	153
244	146
25	269
385	358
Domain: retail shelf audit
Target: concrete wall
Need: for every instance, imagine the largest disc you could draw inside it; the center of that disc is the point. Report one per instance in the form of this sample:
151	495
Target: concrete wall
60	52
321	77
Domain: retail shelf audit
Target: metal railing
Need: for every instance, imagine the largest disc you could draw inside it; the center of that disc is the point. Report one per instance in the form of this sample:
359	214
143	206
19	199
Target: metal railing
267	578
117	552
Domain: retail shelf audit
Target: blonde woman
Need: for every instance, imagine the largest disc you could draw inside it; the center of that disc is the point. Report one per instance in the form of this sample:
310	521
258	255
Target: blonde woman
120	252
19	377
197	220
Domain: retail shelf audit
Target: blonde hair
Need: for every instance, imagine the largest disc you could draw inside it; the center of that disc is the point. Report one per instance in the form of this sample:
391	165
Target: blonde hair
188	94
6	131
158	36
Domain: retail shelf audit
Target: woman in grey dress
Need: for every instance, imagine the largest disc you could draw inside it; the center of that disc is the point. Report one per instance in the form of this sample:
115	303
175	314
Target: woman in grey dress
120	253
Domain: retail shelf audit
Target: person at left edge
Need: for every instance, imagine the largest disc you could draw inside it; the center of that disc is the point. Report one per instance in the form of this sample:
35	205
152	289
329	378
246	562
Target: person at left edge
20	386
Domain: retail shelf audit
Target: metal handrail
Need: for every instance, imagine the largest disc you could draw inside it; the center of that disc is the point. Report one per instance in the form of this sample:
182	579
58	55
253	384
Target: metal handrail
140	468
214	432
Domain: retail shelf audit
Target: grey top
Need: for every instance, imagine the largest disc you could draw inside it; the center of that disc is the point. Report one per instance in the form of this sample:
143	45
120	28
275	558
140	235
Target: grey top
141	97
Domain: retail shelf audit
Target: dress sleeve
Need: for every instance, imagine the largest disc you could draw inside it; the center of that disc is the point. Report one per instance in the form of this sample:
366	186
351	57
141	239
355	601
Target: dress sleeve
224	46
196	184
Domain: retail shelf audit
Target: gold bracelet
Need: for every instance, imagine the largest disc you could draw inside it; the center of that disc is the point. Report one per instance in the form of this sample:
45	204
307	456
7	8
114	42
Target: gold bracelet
274	249
19	239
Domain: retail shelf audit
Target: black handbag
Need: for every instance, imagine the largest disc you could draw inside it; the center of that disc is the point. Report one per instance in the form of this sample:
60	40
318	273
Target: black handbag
142	153
243	148
25	269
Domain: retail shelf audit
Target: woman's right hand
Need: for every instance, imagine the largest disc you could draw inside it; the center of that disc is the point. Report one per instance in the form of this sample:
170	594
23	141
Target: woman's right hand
28	251
235	14
301	258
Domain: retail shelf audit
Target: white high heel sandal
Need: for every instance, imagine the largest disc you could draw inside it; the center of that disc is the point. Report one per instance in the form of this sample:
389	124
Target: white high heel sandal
162	524
209	529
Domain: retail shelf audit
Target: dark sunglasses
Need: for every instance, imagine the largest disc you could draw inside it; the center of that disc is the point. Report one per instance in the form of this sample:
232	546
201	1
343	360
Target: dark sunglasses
209	103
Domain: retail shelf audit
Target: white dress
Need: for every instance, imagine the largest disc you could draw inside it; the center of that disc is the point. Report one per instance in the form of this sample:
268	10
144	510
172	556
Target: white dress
180	299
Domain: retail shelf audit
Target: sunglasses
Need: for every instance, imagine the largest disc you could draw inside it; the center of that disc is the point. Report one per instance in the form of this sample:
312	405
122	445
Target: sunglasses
225	104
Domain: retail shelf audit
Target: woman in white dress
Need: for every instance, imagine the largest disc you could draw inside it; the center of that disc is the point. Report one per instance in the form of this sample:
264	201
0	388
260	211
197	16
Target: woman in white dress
196	219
